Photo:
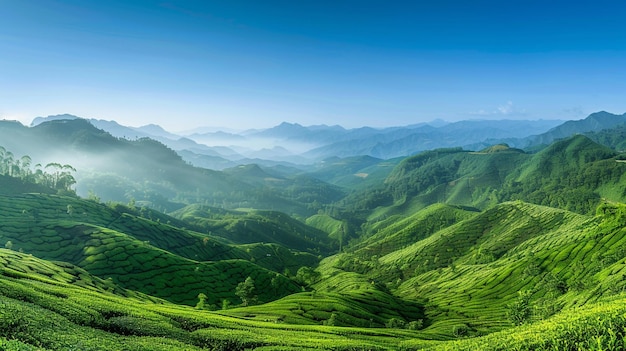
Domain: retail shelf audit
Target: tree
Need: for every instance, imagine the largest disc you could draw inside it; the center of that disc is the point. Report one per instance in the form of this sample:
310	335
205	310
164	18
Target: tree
201	301
307	275
520	311
332	321
25	163
245	291
53	175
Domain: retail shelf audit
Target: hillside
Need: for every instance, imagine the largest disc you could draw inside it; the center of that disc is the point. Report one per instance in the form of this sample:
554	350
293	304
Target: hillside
472	272
574	174
594	123
447	249
615	137
49	306
139	253
255	227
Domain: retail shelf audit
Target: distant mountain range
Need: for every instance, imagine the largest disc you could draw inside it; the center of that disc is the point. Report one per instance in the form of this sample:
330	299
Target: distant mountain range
294	145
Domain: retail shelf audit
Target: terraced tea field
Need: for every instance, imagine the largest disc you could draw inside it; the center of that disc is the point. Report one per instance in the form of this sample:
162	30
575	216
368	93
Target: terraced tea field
134	252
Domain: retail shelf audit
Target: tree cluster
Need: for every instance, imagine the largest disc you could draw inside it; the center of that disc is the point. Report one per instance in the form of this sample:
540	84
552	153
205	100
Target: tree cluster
53	175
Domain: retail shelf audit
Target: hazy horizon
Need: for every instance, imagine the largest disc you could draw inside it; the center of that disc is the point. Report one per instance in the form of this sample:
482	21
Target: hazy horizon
216	129
243	65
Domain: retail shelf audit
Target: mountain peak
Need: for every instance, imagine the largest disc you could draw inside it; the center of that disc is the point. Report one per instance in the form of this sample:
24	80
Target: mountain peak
38	120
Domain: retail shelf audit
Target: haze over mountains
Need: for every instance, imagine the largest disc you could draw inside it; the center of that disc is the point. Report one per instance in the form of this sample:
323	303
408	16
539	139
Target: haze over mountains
297	144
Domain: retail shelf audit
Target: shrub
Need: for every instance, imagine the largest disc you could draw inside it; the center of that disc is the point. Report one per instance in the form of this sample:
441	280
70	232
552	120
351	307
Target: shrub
520	311
460	330
395	323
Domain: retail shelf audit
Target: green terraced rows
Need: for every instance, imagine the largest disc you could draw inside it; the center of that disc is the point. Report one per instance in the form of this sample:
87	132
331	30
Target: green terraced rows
56	314
394	234
600	326
138	258
469	274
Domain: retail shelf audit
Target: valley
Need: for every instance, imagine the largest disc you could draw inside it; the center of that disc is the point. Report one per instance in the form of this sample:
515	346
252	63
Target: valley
508	237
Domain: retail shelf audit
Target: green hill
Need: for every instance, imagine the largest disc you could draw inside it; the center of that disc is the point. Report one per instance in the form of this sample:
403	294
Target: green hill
395	233
135	252
452	249
615	137
572	174
46	306
472	273
255	227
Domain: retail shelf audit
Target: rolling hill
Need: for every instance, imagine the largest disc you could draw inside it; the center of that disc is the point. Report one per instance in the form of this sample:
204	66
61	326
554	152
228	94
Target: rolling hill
448	249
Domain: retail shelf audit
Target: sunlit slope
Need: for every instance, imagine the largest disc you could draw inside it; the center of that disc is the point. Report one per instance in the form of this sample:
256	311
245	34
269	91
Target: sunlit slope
573	174
31	210
597	326
169	233
134	252
341	298
363	308
62	307
468	274
483	238
560	259
453	176
395	232
327	224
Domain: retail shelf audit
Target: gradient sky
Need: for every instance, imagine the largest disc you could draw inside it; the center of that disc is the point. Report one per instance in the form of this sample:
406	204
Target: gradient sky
245	64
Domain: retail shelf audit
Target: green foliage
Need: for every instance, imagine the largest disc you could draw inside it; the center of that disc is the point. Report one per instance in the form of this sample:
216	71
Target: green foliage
255	227
246	292
201	301
520	311
568	174
307	276
395	323
600	326
56	177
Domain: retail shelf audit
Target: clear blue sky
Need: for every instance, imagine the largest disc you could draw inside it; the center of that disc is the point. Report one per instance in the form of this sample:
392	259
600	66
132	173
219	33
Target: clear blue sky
247	64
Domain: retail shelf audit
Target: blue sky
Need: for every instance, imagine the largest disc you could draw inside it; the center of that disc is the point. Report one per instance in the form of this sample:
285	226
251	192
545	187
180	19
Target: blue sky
254	64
